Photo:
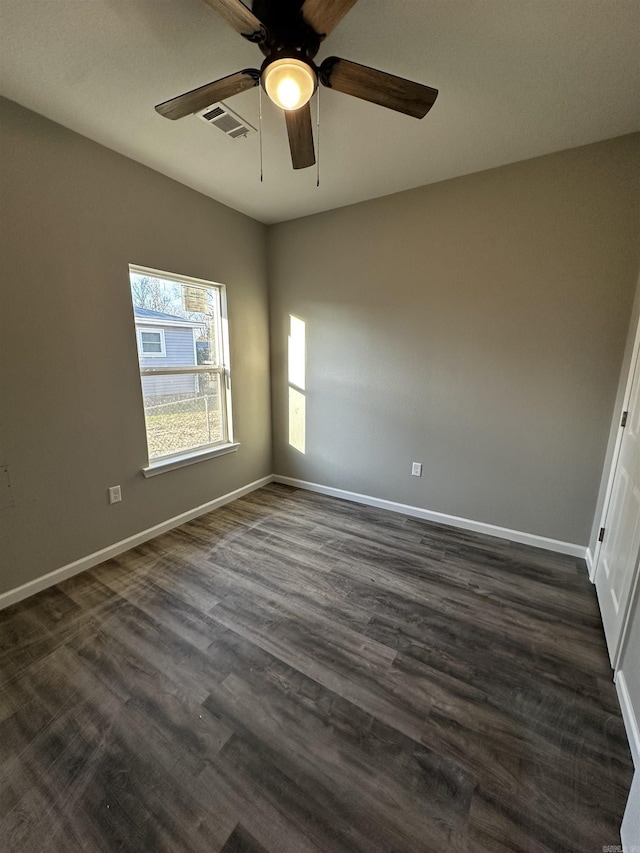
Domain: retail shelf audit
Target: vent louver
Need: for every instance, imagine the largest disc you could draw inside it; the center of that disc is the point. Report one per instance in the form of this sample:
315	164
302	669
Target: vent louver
230	123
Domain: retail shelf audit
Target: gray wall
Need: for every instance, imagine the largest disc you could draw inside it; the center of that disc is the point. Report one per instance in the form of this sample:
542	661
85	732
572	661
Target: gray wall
74	215
477	326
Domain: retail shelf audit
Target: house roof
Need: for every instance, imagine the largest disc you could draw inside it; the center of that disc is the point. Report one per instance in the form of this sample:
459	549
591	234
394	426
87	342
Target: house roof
160	318
155	315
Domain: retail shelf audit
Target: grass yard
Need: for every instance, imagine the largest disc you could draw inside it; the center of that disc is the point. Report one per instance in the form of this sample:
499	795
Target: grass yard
173	427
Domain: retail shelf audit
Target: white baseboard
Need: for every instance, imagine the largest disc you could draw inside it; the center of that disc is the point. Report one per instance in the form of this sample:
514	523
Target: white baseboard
589	560
442	518
68	571
629	716
58	575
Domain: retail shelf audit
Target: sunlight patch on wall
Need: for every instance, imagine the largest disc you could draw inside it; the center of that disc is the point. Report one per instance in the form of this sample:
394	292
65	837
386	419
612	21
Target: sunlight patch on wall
297	354
297	417
297	379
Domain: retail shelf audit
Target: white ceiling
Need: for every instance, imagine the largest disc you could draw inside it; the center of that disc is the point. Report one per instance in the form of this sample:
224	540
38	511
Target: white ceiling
517	78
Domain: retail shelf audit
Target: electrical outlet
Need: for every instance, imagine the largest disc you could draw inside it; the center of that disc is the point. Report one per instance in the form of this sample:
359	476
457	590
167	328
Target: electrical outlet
416	469
115	494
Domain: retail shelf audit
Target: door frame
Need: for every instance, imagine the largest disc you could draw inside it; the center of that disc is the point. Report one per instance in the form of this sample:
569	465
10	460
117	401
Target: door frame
634	365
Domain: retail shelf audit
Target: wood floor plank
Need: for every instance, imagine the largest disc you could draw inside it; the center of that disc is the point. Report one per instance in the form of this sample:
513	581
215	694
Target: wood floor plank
528	624
361	679
183	663
240	841
347	762
296	674
239	571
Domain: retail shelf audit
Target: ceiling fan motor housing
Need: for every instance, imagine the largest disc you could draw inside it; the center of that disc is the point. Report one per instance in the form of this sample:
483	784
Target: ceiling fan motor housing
286	30
284	54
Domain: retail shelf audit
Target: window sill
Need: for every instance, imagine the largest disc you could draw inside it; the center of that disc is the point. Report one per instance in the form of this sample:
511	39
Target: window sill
181	461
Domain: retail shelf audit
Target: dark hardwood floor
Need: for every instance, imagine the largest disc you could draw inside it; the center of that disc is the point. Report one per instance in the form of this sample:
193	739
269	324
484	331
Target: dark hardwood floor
300	674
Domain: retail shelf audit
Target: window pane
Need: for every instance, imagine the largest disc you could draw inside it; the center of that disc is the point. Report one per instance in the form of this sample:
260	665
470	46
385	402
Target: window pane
151	342
189	315
182	411
181	330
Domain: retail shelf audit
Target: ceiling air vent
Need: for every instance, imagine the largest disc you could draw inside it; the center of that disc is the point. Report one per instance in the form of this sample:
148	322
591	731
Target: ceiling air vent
220	116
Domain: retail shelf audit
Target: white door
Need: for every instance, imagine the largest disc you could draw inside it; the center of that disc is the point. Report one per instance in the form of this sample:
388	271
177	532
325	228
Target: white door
617	563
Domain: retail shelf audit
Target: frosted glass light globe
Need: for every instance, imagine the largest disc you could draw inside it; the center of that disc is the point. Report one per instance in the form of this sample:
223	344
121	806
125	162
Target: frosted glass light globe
289	83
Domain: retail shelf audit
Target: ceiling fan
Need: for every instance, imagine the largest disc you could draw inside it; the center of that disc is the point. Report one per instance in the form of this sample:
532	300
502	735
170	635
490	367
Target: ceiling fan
289	33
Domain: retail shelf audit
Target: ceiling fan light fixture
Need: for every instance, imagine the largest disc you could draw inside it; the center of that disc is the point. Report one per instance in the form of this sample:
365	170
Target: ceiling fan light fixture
289	38
289	83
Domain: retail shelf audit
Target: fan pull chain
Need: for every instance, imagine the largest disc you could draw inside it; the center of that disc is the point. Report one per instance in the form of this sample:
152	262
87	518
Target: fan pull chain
318	136
260	130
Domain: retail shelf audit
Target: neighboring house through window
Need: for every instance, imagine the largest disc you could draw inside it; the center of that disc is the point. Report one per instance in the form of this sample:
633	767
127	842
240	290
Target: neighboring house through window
184	366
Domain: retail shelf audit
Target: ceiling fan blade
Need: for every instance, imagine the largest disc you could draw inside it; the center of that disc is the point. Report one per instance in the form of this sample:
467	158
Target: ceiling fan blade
300	134
324	15
219	90
240	18
396	93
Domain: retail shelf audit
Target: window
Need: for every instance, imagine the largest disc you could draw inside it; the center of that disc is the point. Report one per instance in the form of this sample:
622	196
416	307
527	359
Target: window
151	343
183	360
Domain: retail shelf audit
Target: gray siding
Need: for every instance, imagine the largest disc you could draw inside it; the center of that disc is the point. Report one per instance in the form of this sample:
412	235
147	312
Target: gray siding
180	352
165	386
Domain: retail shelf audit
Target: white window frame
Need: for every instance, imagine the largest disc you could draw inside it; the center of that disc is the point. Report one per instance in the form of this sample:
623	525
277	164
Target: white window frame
163	346
227	445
